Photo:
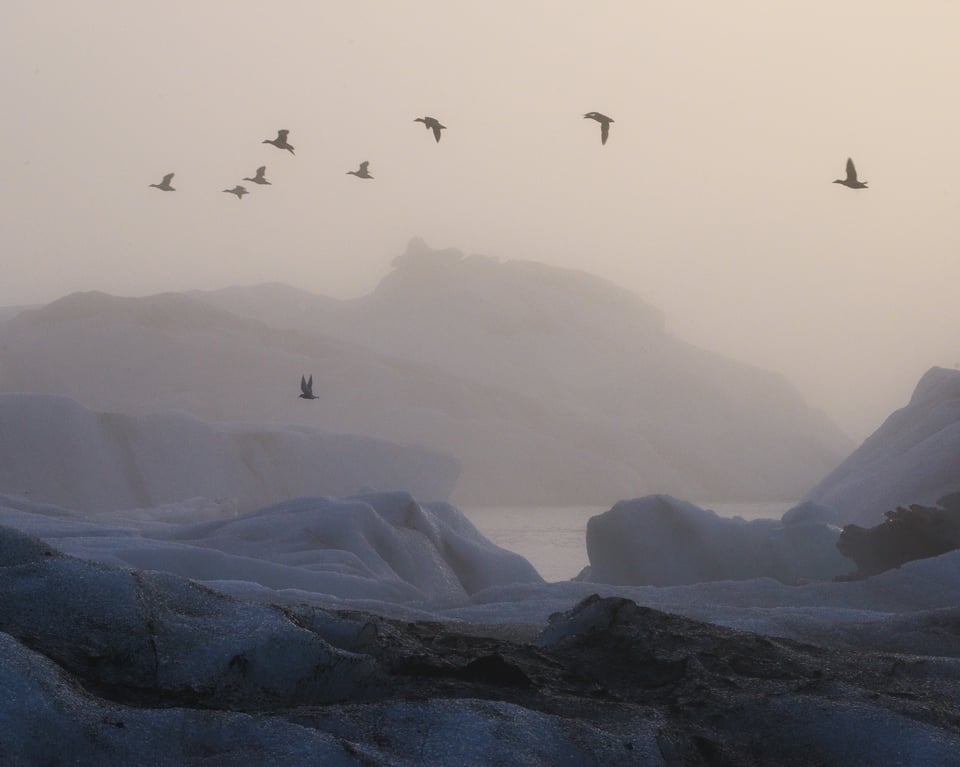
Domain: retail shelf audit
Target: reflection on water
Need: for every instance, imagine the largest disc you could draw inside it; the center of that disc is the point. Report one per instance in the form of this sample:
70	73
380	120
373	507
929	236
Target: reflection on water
553	538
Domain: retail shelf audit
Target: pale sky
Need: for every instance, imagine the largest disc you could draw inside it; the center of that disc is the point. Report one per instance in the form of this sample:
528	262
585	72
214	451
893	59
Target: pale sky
712	198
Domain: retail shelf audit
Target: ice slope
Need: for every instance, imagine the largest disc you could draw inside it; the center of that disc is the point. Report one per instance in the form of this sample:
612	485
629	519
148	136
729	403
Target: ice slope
914	457
55	450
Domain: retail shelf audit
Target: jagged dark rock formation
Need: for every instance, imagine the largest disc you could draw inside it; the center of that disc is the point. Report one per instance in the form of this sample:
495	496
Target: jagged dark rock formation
906	534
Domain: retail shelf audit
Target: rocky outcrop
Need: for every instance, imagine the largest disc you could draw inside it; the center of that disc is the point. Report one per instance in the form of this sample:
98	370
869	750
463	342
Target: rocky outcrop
906	534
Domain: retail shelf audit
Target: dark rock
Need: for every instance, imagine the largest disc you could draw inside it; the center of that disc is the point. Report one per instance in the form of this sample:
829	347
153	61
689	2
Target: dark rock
906	534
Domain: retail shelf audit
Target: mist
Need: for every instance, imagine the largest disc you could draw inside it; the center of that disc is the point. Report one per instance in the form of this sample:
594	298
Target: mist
711	200
479	383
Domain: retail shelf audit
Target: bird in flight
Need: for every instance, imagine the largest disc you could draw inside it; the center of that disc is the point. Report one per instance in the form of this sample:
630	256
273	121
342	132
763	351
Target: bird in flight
280	142
165	184
306	388
258	177
432	123
238	190
361	172
851	179
604	124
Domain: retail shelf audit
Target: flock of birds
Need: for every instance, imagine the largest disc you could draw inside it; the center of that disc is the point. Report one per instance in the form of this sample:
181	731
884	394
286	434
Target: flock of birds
281	142
431	124
260	177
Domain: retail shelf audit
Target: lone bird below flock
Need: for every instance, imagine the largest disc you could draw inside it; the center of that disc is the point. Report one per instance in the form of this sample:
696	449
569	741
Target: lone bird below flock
851	179
238	190
362	172
280	142
604	124
165	184
258	177
432	123
306	388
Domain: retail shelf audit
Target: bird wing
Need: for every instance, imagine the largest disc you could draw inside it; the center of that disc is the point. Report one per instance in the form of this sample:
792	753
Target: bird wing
363	166
282	135
260	171
604	132
851	170
167	178
310	386
436	130
303	384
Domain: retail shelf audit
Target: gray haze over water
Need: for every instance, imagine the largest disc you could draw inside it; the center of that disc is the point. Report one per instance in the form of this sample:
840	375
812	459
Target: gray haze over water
711	200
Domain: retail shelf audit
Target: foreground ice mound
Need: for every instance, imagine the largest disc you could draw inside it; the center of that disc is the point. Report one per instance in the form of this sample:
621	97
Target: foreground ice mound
382	546
661	541
55	450
914	457
111	667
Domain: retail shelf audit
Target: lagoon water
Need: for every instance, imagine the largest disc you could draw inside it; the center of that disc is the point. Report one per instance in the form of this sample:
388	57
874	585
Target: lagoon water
553	538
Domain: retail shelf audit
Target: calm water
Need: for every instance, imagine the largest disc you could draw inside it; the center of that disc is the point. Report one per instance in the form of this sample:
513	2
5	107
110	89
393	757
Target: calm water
553	538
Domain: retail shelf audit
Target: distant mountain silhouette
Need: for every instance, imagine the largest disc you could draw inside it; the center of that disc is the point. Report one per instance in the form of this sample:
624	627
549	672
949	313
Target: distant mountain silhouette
579	350
174	352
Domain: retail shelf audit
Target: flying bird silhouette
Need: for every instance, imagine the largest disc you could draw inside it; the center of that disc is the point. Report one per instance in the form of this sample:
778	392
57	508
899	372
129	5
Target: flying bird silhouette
851	179
165	184
432	123
362	172
258	177
280	142
306	388
604	124
238	190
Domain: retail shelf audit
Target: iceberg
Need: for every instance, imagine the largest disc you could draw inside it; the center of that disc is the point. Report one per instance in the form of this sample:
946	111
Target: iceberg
661	541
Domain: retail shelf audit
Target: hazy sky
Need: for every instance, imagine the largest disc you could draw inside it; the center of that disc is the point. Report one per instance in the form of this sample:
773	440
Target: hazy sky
712	198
